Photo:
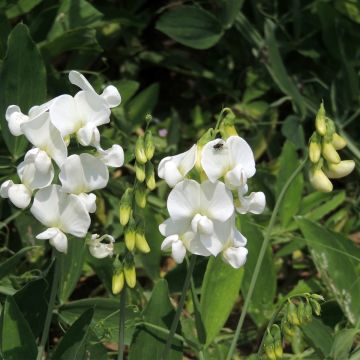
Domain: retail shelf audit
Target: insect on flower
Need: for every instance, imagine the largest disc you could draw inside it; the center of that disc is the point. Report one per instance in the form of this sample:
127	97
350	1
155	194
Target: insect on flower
219	145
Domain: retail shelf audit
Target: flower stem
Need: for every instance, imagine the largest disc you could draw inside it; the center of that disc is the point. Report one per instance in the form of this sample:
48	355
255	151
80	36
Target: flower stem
51	304
261	257
176	319
122	324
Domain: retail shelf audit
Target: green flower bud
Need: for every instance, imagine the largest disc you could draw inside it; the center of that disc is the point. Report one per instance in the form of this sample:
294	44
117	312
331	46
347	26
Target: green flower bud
314	149
269	347
308	313
126	206
329	153
320	120
140	171
149	145
319	180
343	168
287	329
227	127
117	282
315	306
276	333
140	150
338	141
150	176
140	196
130	235
291	315
317	297
141	243
301	312
130	274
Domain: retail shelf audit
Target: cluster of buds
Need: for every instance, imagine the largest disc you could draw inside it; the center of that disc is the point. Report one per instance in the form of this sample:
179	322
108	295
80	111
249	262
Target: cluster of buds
131	203
58	186
294	314
323	147
209	187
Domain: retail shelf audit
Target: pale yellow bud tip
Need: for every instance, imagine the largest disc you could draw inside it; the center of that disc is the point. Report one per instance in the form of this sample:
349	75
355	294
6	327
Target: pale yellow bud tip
329	153
320	181
117	282
344	168
338	141
314	152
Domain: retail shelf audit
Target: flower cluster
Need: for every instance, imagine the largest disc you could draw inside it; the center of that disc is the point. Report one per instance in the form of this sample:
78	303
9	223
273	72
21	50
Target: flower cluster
323	147
209	184
63	204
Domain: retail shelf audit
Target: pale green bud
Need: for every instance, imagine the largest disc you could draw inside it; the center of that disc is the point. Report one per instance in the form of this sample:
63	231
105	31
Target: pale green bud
140	197
338	141
149	145
320	120
301	312
343	168
329	153
308	312
117	282
319	180
227	127
292	316
130	235
269	347
315	306
314	149
276	333
130	275
140	150
140	242
140	171
126	206
150	176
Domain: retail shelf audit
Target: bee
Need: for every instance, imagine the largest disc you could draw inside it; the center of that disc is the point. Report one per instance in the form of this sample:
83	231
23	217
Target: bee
219	145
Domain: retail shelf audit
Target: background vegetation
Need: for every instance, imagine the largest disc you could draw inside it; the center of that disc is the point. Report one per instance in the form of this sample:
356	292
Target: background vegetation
271	62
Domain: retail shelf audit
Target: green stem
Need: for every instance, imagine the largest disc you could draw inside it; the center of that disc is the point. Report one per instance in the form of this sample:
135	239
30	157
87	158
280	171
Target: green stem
221	117
176	319
260	259
51	304
122	324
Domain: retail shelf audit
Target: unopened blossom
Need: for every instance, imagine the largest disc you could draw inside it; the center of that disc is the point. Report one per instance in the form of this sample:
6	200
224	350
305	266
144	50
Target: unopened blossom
198	216
34	173
253	203
101	247
234	251
232	160
62	214
82	174
174	169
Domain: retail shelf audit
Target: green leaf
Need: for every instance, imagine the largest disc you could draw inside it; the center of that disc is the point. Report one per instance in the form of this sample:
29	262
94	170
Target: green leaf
23	83
71	265
350	8
191	26
73	344
219	292
337	260
4	33
9	265
21	7
261	306
127	89
149	343
229	11
293	131
343	343
17	340
292	199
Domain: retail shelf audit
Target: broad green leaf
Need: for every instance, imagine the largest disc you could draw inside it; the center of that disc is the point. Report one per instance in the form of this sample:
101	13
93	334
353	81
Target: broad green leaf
293	131
9	265
219	292
337	260
278	71
343	342
350	8
142	104
23	83
21	7
261	305
73	344
127	89
229	11
71	265
17	340
105	322
191	26
149	343
4	32
291	201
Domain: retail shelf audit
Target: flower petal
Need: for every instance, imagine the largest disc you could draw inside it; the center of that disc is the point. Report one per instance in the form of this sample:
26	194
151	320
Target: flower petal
100	249
19	195
178	251
186	161
184	200
112	96
235	256
113	157
171	227
254	203
4	189
80	80
89	201
168	241
168	170
15	119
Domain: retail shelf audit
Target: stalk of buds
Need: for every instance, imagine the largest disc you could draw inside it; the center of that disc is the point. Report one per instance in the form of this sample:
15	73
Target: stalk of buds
326	161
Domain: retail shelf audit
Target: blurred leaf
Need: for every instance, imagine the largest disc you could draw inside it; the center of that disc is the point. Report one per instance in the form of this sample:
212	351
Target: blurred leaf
343	342
74	14
191	26
17	340
10	264
261	307
4	33
219	292
335	259
293	131
23	83
292	199
350	8
127	89
71	265
103	269
21	7
229	11
149	344
73	344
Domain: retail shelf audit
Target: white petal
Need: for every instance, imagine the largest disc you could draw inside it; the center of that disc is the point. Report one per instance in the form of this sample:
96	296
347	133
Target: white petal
43	162
238	238
80	80
113	157
112	96
193	243
89	201
211	243
202	224
184	200
216	200
100	249
215	161
84	173
15	119
241	154
187	160
178	251
170	227
235	178
59	242
19	195
4	189
168	170
48	233
168	241
235	256
39	109
88	135
254	203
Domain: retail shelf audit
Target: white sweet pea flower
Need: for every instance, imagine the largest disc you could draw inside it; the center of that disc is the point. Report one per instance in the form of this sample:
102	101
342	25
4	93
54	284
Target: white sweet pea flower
112	157
178	249
100	249
44	136
253	203
232	159
19	194
173	169
235	252
62	213
81	174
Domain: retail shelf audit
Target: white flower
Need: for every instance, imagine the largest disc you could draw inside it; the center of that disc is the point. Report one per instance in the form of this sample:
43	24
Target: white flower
113	157
235	252
44	136
35	172
200	215
178	250
232	159
62	214
253	203
173	169
81	174
100	249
